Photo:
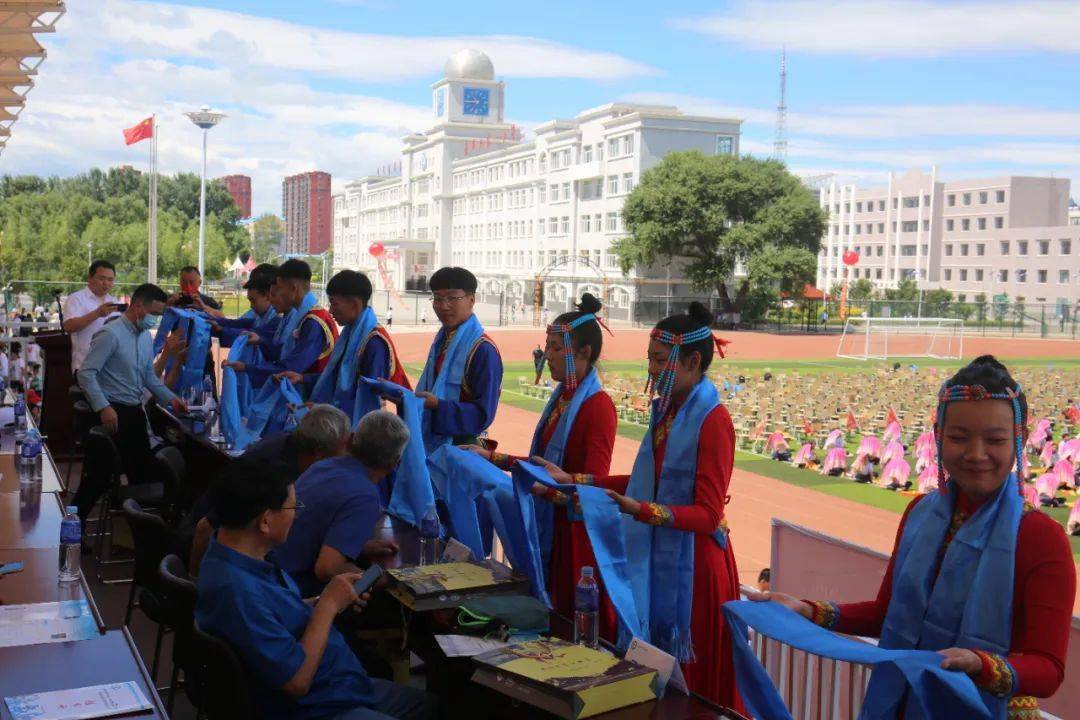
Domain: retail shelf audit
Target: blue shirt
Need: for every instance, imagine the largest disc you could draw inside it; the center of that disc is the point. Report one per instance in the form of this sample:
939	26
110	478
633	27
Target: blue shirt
310	344
231	328
120	366
257	608
480	390
341	507
374	362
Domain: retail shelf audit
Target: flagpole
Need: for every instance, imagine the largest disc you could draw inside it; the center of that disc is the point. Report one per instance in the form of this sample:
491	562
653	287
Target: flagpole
151	255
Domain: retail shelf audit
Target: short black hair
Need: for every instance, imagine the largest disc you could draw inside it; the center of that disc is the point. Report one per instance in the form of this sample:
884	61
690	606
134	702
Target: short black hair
453	278
987	371
765	575
148	293
350	283
696	317
294	270
97	265
261	278
588	333
245	489
190	269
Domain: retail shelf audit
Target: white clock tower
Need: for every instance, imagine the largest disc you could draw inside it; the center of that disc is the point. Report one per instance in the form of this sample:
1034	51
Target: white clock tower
468	92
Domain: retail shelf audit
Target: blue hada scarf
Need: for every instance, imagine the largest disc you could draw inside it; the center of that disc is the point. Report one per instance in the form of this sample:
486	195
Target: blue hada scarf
338	383
286	333
935	609
196	332
556	447
664	587
447	386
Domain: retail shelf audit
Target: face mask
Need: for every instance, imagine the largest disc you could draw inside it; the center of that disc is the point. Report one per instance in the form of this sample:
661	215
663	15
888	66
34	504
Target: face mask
149	321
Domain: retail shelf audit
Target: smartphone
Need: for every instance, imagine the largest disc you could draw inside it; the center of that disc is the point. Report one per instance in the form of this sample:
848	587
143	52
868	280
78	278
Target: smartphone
121	307
14	567
370	577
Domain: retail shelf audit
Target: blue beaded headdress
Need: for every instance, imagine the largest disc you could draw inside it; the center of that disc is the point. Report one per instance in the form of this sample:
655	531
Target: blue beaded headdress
963	393
571	367
664	383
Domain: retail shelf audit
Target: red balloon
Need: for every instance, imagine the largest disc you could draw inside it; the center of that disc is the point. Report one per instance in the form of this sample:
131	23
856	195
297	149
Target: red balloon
851	258
376	249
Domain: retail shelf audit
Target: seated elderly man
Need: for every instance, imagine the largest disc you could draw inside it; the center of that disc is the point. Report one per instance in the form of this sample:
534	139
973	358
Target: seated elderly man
340	504
322	433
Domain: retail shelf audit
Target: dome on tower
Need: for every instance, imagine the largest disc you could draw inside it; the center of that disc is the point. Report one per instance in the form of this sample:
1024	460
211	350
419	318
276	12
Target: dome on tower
469	64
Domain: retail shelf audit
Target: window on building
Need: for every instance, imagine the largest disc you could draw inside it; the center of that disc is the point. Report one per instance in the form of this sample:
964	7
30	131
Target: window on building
543	194
628	145
880	250
724	145
895	203
979	275
965	224
1003	276
858	207
880	228
1065	247
880	205
1004	247
877	274
1044	247
926	200
565	227
612	222
613	148
925	225
907	250
1041	274
948	250
911	202
586	223
964	249
967	198
613	185
982	223
1000	196
586	154
909	225
1021	247
553	226
566	191
963	275
858	229
1063	277
999	223
628	182
980	249
894	226
984	198
1021	276
948	275
951	200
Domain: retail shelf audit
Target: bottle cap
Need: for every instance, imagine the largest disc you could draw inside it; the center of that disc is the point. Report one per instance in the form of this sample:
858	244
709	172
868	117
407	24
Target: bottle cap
586	571
73	509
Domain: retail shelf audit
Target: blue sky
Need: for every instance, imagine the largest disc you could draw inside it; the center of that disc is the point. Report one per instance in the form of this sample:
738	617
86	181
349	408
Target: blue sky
979	88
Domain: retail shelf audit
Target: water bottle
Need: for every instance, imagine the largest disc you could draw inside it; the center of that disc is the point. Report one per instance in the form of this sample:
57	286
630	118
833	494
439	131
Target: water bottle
587	610
20	415
70	545
29	465
429	538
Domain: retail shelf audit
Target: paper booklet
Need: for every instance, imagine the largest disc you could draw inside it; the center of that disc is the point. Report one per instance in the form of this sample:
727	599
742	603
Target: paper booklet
37	623
95	701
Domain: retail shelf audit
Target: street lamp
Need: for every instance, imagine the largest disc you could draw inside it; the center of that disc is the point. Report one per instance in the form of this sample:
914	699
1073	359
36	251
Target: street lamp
205	118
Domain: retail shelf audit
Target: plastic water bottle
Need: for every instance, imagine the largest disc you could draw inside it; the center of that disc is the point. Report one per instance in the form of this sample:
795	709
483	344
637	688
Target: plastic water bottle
70	545
429	538
20	415
29	464
587	610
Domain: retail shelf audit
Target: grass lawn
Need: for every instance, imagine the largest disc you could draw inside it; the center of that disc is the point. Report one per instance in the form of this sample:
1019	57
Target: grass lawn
857	492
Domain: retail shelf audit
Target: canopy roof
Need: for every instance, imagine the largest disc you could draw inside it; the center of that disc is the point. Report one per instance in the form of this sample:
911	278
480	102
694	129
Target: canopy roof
21	54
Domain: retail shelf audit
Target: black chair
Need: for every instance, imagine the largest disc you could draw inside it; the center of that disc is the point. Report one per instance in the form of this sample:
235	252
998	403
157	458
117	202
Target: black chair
102	449
153	540
82	421
226	692
179	594
172	469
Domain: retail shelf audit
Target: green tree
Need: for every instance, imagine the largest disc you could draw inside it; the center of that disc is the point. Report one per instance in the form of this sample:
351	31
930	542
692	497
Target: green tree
716	212
861	290
936	301
906	291
268	237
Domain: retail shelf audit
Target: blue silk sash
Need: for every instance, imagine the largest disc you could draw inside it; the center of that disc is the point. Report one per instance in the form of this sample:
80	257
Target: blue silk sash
286	333
338	381
196	332
931	691
447	386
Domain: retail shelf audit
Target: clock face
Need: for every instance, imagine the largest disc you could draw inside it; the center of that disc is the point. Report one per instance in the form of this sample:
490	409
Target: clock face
440	102
477	101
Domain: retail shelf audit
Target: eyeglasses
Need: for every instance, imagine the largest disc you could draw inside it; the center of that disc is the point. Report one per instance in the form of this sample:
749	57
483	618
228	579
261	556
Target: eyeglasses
448	300
298	506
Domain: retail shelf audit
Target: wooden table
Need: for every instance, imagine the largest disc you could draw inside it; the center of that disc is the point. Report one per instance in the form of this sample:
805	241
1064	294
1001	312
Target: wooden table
110	658
30	519
51	480
451	678
38	581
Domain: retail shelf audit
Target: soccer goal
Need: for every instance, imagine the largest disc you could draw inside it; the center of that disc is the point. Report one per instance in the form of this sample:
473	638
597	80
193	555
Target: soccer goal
871	338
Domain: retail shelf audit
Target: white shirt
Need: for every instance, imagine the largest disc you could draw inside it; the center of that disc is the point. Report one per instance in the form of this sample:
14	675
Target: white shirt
79	304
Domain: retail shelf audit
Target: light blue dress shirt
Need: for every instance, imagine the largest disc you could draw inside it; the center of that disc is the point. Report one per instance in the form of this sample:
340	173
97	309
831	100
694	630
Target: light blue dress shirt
120	366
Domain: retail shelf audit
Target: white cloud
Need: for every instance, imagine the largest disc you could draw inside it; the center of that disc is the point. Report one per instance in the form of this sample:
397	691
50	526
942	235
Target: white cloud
215	35
896	28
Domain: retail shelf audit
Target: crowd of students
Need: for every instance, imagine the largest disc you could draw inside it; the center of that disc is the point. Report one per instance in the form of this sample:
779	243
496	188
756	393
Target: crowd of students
281	536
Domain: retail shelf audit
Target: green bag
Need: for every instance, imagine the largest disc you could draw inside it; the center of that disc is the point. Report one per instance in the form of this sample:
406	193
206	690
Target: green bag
499	616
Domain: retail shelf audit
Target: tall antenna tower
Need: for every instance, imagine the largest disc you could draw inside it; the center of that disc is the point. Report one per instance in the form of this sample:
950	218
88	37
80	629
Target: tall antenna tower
780	143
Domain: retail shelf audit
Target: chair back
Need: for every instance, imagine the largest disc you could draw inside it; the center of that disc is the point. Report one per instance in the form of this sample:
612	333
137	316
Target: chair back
173	471
226	692
180	594
153	541
104	450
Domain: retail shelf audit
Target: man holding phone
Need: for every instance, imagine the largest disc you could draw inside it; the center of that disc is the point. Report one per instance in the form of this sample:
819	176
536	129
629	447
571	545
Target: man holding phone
85	310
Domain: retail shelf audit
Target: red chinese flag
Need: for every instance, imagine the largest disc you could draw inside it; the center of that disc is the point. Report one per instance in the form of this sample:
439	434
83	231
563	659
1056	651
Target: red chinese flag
852	423
808	427
891	417
142	131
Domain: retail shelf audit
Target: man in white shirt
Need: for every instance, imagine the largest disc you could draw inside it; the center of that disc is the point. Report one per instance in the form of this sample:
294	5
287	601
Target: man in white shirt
85	311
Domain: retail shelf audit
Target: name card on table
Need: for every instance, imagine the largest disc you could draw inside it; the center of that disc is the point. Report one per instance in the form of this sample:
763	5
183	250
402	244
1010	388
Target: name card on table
95	701
456	551
668	672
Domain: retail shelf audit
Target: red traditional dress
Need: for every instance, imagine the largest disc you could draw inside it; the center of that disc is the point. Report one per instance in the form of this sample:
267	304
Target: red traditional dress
1043	592
716	577
587	455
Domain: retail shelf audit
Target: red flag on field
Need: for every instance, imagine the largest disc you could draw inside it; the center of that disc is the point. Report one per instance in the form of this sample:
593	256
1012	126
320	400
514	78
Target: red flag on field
808	427
142	131
891	417
852	423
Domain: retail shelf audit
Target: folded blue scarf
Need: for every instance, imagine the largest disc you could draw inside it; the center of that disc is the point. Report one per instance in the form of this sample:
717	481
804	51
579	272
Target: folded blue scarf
936	693
338	384
196	333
